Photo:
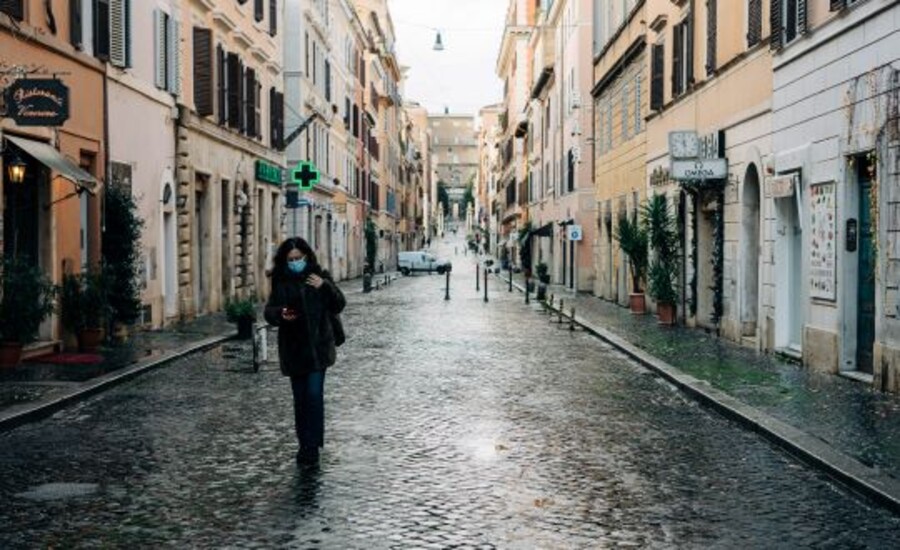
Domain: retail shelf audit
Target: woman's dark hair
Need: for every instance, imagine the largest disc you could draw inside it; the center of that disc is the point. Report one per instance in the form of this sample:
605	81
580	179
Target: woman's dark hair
293	243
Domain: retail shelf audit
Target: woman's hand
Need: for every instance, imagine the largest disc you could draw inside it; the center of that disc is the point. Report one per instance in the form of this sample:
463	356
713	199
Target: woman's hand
288	314
315	281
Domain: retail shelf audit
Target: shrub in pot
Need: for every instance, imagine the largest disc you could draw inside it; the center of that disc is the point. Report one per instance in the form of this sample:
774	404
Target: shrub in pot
663	237
122	255
632	238
26	300
84	306
241	311
543	275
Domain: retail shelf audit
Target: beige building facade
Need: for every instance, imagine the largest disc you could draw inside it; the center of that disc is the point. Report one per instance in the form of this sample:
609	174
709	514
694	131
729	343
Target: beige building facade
455	152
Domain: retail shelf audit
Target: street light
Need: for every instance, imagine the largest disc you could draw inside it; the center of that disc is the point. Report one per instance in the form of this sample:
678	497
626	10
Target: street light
16	168
438	44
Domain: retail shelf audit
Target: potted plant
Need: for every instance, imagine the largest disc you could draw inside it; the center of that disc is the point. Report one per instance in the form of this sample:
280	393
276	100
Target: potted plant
243	312
26	299
663	237
543	276
632	238
122	255
94	308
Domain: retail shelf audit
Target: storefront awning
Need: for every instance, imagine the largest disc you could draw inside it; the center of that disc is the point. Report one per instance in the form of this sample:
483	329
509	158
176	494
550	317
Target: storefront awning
52	159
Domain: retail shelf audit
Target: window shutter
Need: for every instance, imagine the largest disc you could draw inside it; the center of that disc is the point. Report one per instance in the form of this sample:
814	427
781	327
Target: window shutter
203	77
711	29
159	48
173	56
657	67
13	8
677	52
258	110
801	17
222	82
233	90
75	26
775	20
273	17
258	10
101	29
276	118
117	33
241	97
250	101
754	23
838	5
689	51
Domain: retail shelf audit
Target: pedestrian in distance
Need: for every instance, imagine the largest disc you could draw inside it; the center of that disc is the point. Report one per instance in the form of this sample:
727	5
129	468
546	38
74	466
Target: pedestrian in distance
303	301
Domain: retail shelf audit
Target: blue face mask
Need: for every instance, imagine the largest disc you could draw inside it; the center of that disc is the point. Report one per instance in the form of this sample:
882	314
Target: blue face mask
297	266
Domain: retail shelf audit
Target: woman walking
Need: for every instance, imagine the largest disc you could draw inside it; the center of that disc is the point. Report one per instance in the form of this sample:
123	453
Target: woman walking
303	301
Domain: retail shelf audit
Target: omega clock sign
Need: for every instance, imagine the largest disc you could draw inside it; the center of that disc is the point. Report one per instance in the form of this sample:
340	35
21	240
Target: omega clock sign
37	102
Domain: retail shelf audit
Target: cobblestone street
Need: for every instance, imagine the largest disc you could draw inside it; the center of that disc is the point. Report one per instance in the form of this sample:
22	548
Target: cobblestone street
449	424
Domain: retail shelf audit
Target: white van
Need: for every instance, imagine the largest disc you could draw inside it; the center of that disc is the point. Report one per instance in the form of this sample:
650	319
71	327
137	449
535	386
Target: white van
422	260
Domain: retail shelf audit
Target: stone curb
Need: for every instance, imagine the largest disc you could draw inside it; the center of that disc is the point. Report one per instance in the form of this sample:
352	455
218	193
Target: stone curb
845	469
32	412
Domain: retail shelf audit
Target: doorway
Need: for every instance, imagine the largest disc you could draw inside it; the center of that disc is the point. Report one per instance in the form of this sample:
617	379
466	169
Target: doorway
788	264
750	253
201	240
225	242
866	262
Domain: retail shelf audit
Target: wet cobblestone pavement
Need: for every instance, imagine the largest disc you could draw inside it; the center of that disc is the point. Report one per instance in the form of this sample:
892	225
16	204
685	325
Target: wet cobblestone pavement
449	424
847	414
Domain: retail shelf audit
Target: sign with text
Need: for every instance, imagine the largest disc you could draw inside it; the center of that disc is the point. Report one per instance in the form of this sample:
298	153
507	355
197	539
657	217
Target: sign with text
37	102
782	186
822	242
268	172
699	169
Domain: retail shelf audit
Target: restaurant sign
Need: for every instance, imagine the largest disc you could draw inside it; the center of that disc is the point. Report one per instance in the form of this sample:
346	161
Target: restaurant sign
37	102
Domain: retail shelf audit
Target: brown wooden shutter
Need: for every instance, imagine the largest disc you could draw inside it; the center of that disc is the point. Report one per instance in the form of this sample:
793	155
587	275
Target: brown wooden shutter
273	17
754	23
657	82
276	119
711	30
776	24
801	17
76	32
838	5
241	98
233	90
688	28
221	76
258	10
677	53
203	71
13	8
250	102
258	110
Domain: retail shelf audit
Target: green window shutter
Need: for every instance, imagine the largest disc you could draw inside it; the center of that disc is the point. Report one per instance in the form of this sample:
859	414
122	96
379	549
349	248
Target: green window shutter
117	28
777	25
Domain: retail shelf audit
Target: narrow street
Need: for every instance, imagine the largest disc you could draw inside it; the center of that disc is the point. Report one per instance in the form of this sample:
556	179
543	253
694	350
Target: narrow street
449	424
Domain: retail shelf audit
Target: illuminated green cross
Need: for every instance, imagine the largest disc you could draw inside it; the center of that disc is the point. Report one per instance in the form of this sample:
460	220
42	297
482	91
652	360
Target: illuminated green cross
306	175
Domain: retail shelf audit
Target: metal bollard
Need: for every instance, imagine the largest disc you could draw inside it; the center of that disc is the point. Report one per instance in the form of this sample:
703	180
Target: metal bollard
477	277
510	278
550	310
572	321
447	288
561	306
527	300
485	286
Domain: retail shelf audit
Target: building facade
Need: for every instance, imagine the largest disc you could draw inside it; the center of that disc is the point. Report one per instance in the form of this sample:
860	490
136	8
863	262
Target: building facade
52	218
832	240
486	184
455	153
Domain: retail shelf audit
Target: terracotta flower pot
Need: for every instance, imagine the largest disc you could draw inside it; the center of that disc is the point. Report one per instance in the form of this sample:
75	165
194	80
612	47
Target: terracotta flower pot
10	353
666	313
638	303
89	339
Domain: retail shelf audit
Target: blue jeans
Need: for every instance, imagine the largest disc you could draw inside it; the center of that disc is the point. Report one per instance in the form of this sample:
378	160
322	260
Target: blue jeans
309	409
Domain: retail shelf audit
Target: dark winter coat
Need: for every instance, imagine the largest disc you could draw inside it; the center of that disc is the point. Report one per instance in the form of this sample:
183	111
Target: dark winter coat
306	344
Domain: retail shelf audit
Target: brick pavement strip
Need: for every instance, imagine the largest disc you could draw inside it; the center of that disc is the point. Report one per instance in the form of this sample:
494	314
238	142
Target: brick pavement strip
868	481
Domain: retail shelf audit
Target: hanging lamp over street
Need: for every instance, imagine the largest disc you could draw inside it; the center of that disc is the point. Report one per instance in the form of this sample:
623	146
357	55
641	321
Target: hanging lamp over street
438	44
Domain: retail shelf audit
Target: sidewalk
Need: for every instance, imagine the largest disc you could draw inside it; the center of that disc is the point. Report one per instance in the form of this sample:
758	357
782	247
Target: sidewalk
834	417
35	388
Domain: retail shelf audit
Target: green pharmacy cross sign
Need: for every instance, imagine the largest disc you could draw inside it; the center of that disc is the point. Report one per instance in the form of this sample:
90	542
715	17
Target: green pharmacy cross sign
306	175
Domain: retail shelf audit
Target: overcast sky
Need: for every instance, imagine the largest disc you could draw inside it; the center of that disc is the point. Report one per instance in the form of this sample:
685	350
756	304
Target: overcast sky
462	76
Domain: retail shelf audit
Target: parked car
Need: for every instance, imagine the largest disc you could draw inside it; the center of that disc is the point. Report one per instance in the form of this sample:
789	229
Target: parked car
422	260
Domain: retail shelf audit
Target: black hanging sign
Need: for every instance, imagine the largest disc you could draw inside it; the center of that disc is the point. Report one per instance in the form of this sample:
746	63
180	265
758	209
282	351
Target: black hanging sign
37	102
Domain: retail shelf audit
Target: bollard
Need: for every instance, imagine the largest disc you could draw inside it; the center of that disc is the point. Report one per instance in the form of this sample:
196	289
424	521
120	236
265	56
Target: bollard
510	277
527	301
572	321
485	286
561	307
477	277
447	288
551	304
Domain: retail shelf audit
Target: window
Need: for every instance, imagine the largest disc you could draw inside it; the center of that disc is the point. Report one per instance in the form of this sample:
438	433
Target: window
788	20
625	116
711	29
754	22
637	103
657	74
101	29
233	90
203	71
13	8
327	81
682	57
276	119
167	53
273	17
258	10
76	32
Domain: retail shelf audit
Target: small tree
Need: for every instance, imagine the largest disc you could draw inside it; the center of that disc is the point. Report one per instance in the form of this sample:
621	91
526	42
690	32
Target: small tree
371	244
663	236
632	238
122	254
443	198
